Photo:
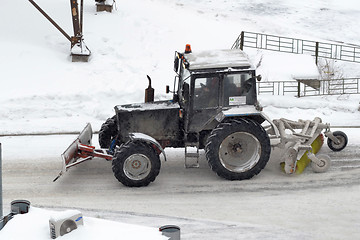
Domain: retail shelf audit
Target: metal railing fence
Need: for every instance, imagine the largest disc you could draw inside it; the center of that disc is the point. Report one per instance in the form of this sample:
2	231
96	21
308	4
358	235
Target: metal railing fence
300	89
348	52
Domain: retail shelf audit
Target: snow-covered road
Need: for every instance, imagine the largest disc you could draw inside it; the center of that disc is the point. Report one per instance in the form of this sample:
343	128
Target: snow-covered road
271	205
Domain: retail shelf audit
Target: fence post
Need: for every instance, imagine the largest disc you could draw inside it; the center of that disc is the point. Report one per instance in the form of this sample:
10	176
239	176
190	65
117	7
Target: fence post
242	40
298	93
316	52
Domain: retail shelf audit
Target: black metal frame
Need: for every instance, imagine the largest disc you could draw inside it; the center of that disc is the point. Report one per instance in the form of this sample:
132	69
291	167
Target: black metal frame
325	87
77	20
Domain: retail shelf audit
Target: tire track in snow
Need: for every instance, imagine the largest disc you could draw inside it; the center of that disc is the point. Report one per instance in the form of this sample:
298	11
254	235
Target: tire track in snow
97	176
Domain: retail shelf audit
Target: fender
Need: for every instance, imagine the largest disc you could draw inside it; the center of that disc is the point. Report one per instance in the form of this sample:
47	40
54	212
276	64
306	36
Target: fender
148	139
247	111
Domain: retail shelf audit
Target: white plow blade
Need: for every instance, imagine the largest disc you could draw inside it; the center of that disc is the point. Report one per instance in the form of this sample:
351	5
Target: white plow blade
70	155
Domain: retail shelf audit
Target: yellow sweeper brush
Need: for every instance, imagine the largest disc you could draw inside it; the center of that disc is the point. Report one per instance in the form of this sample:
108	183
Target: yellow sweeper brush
302	140
305	160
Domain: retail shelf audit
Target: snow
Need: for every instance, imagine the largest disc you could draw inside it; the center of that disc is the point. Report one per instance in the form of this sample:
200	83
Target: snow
147	106
35	225
46	92
63	215
81	50
336	110
297	67
43	91
225	58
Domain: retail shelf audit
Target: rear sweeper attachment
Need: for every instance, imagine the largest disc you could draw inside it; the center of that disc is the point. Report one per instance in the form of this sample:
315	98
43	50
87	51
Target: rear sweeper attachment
301	146
215	108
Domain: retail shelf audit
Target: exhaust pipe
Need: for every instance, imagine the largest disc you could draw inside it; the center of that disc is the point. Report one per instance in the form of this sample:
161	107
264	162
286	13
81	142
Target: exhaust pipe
149	92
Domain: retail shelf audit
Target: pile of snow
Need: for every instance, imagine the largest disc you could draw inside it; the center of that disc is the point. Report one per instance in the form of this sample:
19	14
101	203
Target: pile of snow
35	225
272	68
43	91
336	110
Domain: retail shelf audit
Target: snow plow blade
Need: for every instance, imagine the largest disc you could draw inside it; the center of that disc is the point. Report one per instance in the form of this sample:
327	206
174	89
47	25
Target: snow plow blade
80	150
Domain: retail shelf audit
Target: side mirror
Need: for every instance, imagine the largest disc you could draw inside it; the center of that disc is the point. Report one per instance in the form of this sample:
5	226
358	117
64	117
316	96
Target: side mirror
167	88
258	77
176	62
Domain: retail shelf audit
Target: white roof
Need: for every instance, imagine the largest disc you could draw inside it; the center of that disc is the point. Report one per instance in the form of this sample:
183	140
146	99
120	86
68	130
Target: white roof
229	58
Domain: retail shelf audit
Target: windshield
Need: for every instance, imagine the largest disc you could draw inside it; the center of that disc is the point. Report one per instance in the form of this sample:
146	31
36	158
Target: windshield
224	90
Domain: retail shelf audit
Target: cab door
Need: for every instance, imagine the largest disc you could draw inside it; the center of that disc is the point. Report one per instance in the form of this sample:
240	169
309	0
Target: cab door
204	102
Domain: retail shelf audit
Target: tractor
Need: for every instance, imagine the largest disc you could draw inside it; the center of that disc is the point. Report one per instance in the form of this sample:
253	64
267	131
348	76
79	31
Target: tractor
214	107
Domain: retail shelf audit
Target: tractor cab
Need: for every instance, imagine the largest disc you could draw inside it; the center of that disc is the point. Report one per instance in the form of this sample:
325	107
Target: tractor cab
211	82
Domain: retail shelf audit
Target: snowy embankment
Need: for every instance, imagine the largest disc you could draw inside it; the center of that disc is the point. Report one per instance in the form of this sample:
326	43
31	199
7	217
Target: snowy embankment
42	91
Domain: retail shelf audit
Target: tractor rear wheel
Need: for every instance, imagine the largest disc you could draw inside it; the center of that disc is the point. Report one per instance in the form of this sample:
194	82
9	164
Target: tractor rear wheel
238	149
108	132
136	164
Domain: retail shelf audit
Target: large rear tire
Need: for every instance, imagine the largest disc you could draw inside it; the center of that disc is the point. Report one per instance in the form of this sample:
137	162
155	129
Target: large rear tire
136	164
238	149
108	132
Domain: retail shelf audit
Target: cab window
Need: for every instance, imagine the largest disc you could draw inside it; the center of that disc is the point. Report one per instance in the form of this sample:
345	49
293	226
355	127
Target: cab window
236	88
206	92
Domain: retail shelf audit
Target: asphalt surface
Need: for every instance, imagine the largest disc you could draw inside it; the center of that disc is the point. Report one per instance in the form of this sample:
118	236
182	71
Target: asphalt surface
270	205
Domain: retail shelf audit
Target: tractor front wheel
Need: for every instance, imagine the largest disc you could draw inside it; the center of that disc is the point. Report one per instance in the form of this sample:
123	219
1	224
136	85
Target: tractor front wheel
136	164
238	149
108	132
